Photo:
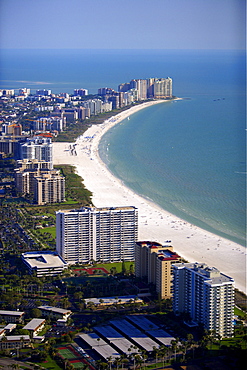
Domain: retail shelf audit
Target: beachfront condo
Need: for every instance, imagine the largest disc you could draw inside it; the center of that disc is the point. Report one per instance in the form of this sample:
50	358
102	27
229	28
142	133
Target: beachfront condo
154	261
99	234
206	295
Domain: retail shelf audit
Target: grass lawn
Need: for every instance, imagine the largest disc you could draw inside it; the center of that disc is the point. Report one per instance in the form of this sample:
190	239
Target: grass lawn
51	230
229	342
49	364
109	266
239	312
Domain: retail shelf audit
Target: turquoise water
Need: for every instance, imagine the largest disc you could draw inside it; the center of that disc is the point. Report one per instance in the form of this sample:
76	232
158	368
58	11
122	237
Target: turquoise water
188	156
173	153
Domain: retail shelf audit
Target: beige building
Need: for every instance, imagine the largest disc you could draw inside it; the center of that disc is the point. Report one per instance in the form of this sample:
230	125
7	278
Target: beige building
40	179
154	261
49	188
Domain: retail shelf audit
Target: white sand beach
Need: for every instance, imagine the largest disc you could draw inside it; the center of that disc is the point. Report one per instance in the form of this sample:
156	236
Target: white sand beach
155	224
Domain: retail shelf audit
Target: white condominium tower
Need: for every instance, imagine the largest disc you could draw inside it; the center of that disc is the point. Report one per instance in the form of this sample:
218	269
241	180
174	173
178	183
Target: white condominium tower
206	295
99	234
37	148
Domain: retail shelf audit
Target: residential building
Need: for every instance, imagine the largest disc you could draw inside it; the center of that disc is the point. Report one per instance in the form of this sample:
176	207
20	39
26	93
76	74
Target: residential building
10	327
43	263
100	234
80	92
10	145
34	326
49	124
206	295
11	316
15	341
37	148
162	88
13	129
151	88
154	261
49	188
43	92
55	312
39	178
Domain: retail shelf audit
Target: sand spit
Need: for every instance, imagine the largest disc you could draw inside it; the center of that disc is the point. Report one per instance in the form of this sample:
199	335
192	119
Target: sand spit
155	224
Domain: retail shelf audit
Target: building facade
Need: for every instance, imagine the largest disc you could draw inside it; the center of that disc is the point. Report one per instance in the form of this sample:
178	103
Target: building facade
12	316
39	178
100	234
43	263
206	295
37	148
49	188
154	261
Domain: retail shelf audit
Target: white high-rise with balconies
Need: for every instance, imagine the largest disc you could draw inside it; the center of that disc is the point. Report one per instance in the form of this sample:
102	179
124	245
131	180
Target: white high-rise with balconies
99	234
206	295
37	148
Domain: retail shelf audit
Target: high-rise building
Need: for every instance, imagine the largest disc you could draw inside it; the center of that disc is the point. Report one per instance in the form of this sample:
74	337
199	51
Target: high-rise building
154	261
206	295
43	92
162	88
37	148
49	188
40	179
80	92
100	234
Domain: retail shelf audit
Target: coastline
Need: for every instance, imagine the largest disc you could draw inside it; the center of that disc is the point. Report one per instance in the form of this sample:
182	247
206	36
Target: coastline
155	224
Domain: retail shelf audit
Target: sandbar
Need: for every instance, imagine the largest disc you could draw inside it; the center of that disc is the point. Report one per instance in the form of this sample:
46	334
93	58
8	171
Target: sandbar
155	224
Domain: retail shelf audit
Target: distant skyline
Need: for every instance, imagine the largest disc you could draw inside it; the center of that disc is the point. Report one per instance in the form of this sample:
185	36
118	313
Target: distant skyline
122	24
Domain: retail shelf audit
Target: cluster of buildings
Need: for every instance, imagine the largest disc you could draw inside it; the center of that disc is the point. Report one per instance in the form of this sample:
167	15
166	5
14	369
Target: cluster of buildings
108	234
34	326
89	234
35	174
62	109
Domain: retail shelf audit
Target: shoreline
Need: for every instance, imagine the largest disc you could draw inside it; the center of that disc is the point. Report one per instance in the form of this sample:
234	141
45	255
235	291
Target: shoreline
154	223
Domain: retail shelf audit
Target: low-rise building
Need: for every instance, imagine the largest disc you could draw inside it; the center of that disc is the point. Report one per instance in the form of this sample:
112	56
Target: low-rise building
109	301
55	312
34	326
44	263
10	327
11	316
15	341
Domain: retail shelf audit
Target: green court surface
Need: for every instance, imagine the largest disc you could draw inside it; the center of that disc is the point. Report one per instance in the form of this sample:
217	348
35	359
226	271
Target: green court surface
66	353
78	365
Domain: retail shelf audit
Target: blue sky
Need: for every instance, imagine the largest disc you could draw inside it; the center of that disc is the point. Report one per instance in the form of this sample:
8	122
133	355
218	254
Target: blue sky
122	24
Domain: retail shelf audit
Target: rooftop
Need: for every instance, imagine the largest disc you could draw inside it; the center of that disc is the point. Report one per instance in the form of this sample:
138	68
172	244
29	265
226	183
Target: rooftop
13	313
34	324
54	309
43	260
99	345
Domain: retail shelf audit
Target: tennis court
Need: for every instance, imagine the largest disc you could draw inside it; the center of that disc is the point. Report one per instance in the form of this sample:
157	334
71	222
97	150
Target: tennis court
66	353
77	364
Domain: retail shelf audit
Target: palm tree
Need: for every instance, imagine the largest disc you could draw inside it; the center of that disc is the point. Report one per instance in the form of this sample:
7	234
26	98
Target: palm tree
174	344
155	354
109	359
162	352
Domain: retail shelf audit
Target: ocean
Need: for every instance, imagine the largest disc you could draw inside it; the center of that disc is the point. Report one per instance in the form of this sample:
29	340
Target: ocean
187	156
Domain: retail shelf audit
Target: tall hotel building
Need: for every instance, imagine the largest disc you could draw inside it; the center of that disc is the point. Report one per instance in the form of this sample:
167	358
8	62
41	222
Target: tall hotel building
99	234
154	261
206	295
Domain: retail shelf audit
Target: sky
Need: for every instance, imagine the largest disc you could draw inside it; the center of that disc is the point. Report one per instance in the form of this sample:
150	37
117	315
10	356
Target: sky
122	24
